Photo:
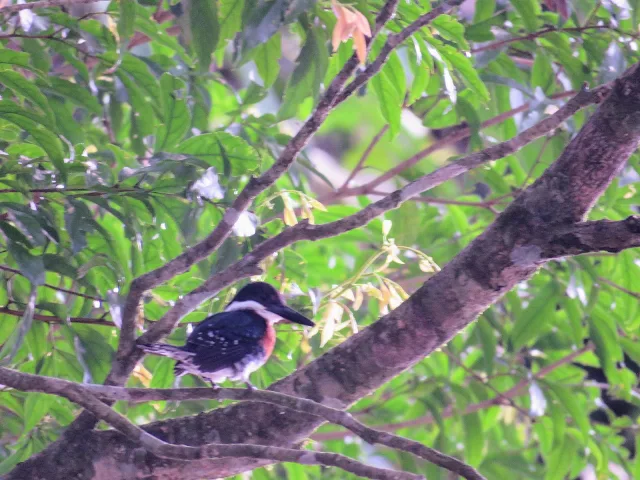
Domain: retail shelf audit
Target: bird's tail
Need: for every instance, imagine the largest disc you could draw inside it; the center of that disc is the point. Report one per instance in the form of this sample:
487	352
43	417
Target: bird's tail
166	350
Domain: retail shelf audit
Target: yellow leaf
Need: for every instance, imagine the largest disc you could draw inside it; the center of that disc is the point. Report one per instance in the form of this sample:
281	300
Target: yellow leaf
359	297
348	294
305	346
394	299
352	321
289	215
316	204
350	23
362	24
332	314
425	265
372	291
142	374
361	46
386	295
306	211
386	227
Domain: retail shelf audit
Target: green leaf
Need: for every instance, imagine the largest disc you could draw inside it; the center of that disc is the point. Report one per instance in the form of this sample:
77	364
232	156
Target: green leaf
542	73
266	58
176	114
78	222
308	74
13	344
126	20
18	84
533	319
36	407
263	18
203	22
389	100
230	18
213	147
451	29
473	439
559	463
33	124
484	10
529	11
78	94
569	401
30	266
602	333
464	68
10	59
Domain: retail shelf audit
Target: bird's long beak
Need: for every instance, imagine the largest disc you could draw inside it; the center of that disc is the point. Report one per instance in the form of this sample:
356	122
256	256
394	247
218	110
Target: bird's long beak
290	314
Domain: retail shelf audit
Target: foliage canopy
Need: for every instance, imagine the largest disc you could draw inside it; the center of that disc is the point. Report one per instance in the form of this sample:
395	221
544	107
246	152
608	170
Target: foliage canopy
125	136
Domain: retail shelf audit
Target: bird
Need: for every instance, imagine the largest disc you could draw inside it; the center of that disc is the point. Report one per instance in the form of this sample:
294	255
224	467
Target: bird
234	343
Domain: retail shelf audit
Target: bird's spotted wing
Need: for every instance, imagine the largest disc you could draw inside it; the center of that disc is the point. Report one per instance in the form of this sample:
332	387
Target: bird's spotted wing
225	339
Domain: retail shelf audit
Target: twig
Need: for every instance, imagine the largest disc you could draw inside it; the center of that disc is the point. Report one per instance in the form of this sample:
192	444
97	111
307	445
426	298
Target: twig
43	4
579	101
485	382
52	319
619	287
544	31
365	155
60	289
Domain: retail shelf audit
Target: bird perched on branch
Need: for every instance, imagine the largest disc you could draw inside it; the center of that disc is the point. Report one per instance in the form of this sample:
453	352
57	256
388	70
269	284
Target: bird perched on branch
234	343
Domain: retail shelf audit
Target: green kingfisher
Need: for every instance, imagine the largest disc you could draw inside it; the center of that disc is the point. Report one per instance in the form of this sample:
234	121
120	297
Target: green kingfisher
236	342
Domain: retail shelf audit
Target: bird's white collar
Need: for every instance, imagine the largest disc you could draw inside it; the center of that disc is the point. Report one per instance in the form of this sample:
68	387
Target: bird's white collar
256	307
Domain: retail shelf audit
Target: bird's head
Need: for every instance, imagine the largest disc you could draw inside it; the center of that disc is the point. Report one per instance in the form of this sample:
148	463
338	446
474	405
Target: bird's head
267	302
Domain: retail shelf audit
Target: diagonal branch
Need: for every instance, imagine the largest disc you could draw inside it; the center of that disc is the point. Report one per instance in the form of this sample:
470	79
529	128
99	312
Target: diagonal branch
254	187
449	301
28	382
581	100
304	231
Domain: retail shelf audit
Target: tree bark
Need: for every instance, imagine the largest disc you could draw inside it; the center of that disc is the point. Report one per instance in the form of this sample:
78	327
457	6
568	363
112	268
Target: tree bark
508	252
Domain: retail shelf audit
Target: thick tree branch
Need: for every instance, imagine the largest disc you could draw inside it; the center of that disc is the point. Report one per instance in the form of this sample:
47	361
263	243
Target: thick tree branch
485	270
37	383
82	396
587	237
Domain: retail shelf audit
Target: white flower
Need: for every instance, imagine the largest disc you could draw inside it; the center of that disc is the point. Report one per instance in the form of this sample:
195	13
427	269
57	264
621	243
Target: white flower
246	225
208	186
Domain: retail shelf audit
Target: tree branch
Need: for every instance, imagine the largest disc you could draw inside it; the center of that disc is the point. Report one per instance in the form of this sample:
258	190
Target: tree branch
587	237
305	231
42	4
582	99
53	287
52	319
254	187
37	383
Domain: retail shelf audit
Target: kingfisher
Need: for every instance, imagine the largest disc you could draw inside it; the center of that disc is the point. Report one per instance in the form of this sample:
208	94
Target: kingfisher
236	342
